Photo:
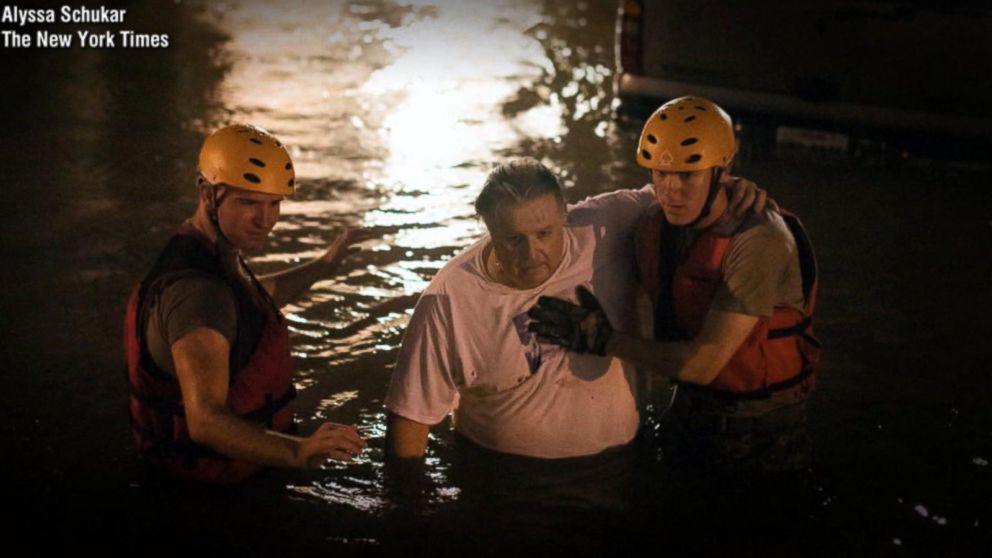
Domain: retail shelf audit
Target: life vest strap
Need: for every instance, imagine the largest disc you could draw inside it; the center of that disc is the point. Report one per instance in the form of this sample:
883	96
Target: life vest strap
272	406
797	329
164	406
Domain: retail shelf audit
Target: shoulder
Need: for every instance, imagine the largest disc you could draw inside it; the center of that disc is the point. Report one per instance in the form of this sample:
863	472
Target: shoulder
767	229
762	245
619	205
462	269
196	298
193	285
190	301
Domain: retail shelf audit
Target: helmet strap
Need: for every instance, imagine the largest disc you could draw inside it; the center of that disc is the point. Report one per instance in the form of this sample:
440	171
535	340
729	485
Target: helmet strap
213	202
715	175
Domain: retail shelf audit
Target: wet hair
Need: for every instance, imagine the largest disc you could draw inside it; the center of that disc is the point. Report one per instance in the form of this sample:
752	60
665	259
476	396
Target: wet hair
513	182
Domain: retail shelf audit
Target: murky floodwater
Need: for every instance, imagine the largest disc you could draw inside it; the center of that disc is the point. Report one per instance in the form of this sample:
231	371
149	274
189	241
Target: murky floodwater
395	112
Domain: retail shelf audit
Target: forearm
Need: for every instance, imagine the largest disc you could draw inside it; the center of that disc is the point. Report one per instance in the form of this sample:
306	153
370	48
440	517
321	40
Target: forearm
405	438
239	439
288	285
684	361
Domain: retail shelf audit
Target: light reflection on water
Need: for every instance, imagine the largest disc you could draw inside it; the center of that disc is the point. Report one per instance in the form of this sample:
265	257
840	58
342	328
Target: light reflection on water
394	114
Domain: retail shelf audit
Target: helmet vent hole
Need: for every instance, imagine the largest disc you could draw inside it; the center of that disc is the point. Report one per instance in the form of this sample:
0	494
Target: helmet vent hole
652	139
701	108
252	178
255	141
663	116
289	166
257	162
645	154
681	107
291	181
694	158
689	118
689	141
278	144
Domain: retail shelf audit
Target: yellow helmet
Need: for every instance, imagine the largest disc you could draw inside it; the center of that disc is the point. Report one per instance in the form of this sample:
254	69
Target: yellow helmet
686	134
247	157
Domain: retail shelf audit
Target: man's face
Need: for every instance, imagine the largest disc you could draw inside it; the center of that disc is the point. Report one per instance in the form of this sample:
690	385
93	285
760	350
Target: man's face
247	217
528	239
681	194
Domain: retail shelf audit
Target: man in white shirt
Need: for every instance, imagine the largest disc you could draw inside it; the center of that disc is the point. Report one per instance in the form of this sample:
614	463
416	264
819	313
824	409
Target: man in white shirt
467	347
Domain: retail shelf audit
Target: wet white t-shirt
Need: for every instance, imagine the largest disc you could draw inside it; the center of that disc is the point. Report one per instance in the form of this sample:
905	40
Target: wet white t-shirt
467	347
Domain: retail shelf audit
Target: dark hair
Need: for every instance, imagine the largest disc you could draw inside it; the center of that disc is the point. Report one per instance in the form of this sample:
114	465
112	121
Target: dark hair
516	181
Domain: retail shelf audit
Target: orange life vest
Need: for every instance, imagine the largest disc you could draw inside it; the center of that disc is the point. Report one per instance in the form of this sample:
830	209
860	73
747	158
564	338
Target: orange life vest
781	352
260	376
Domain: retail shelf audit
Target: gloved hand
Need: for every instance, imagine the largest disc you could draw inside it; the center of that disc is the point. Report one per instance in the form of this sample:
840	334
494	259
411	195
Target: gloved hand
583	327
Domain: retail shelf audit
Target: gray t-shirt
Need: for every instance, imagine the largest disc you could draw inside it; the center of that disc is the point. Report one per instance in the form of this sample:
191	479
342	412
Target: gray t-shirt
188	303
760	268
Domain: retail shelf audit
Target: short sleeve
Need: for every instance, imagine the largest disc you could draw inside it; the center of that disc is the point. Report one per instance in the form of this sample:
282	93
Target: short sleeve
422	387
195	302
186	304
755	270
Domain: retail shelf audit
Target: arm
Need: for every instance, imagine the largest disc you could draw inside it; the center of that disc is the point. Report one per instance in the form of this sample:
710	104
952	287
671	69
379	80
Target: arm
405	438
406	479
698	361
288	285
422	389
584	327
754	266
201	360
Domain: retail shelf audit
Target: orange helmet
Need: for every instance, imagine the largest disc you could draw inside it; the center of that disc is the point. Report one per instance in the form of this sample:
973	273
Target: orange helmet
249	158
686	134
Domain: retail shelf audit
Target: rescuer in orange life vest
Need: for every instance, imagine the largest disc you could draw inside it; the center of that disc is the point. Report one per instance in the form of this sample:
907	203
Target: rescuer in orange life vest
732	302
208	353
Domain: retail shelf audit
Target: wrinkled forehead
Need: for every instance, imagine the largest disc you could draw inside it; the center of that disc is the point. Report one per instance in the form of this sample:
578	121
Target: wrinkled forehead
528	216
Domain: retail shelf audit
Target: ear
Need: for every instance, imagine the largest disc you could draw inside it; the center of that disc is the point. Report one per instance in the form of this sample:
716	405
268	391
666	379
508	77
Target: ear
202	190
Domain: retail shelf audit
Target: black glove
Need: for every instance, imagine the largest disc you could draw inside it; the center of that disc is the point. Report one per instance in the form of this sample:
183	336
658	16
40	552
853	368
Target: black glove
583	327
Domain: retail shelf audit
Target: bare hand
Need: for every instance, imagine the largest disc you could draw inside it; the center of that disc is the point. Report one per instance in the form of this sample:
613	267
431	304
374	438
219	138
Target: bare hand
338	247
331	441
745	196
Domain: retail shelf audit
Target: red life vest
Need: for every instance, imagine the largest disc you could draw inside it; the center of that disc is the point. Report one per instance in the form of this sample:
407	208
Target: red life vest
260	369
781	352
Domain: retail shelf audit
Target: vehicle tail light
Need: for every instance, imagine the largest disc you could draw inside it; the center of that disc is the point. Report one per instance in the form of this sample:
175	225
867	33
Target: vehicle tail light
629	25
